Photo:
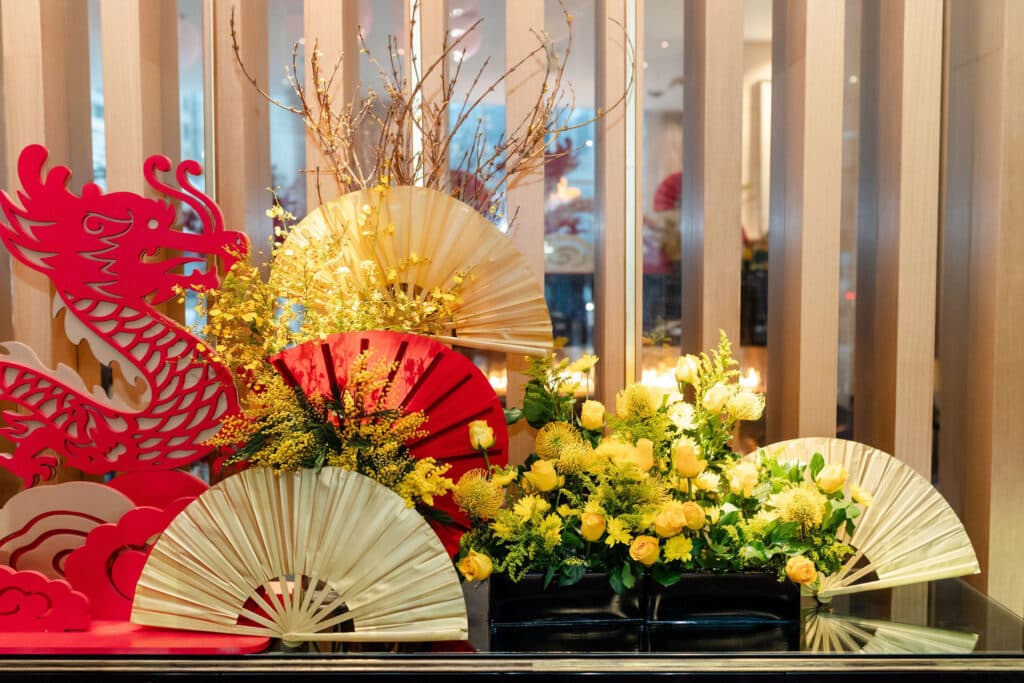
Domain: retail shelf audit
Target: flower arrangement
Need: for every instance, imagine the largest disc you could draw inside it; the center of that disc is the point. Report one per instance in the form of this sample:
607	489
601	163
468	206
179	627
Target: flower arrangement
309	296
652	487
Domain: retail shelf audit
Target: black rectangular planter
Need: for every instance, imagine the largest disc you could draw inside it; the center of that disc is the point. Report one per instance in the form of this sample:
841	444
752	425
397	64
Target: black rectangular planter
702	612
744	597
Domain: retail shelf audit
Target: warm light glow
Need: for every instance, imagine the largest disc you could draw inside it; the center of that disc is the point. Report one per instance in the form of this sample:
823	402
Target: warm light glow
661	377
563	193
751	379
498	380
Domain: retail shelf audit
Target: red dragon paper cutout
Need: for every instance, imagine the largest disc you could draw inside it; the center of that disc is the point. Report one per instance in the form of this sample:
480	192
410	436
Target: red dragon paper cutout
103	254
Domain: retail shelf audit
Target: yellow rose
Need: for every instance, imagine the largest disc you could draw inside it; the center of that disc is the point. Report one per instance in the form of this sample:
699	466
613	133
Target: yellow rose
687	368
481	436
801	570
542	475
861	496
645	550
475	566
645	454
695	517
745	405
670	520
743	478
716	397
592	415
832	478
592	525
622	454
685	460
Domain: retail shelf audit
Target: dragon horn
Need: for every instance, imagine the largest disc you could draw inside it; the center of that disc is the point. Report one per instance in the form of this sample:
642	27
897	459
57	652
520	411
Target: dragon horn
190	167
159	162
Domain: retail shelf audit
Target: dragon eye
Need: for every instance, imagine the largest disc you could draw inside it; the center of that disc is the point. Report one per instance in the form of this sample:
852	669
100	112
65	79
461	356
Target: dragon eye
153	224
93	225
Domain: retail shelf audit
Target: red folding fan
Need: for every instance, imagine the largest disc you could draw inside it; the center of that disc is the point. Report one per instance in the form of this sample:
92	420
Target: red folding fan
429	377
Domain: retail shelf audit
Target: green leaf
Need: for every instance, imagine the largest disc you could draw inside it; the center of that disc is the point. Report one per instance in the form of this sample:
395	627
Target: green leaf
729	518
550	574
666	575
628	580
615	579
572	574
817	464
572	541
513	415
783	532
753	551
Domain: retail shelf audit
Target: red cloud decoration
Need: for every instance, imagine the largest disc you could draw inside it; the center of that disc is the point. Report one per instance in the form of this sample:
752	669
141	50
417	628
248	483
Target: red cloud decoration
31	602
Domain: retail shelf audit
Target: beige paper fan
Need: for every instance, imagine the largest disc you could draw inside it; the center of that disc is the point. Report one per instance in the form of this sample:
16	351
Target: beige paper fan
909	533
297	555
503	305
827	632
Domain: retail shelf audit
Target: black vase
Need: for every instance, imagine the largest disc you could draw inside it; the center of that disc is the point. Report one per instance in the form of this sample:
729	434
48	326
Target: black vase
740	597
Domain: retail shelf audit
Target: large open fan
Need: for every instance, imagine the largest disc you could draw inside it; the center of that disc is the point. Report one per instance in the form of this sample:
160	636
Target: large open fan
444	384
429	237
329	555
908	534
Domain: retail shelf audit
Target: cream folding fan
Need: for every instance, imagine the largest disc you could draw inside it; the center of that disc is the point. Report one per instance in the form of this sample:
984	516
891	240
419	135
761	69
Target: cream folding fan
503	305
827	632
908	534
302	556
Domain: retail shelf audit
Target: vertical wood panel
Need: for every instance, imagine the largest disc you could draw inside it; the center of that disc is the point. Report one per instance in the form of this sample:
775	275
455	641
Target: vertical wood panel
902	343
525	194
803	280
242	122
983	313
711	203
333	24
615	290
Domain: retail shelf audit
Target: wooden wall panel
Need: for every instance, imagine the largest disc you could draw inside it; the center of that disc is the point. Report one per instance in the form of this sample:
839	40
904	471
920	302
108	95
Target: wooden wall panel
982	309
806	178
241	127
617	234
333	24
902	311
525	193
712	152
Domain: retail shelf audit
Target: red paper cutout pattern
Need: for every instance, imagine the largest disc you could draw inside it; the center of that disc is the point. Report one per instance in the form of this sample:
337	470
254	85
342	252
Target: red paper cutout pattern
158	489
40	526
444	384
30	601
107	567
103	254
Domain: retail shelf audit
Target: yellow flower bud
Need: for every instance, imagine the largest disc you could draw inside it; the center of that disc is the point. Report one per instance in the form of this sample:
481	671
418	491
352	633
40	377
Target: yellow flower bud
645	454
645	550
475	566
716	397
695	517
801	570
592	525
861	496
832	478
592	415
671	520
481	436
687	369
542	475
685	458
744	478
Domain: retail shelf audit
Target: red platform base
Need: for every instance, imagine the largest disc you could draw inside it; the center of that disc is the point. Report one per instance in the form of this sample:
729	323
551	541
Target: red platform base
125	638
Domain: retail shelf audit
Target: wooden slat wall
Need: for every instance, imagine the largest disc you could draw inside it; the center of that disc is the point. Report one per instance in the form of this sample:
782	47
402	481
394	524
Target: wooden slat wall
525	194
982	318
334	25
806	176
242	121
617	231
712	125
897	323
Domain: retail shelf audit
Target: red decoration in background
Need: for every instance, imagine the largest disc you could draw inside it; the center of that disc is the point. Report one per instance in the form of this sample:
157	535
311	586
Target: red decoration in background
107	567
158	489
669	193
449	389
30	601
39	527
104	255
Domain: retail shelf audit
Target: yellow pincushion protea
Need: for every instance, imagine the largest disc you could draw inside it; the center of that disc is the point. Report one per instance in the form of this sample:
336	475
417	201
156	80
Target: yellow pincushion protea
478	496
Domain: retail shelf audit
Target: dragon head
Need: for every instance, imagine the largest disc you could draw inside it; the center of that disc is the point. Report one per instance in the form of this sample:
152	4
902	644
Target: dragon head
120	244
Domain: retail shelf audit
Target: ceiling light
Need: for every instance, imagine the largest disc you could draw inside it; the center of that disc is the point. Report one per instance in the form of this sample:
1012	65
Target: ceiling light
664	44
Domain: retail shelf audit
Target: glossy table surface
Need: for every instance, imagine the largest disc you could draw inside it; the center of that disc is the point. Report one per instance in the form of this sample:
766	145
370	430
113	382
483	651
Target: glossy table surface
945	630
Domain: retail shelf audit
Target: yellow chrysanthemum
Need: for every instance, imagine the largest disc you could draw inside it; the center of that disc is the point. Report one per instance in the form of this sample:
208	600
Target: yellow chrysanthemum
617	532
803	504
551	530
527	506
477	496
678	548
555	437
